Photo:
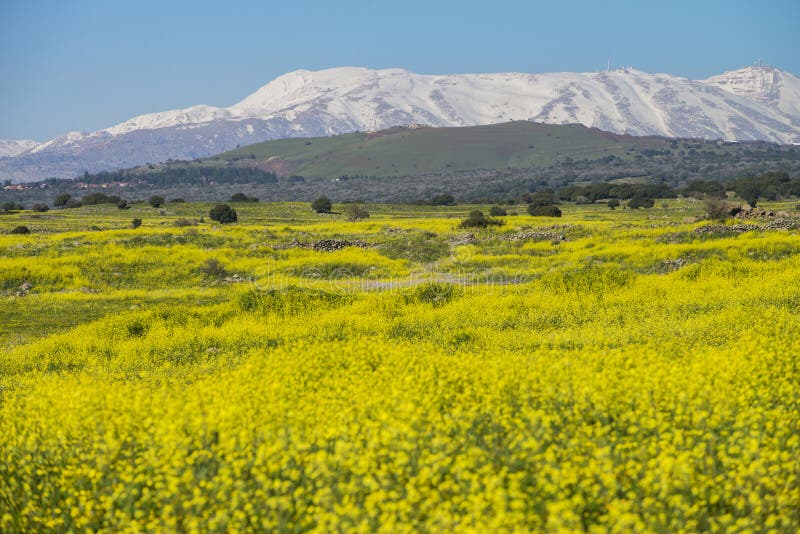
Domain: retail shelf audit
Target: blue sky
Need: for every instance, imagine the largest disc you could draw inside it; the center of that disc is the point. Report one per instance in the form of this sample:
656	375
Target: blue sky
86	65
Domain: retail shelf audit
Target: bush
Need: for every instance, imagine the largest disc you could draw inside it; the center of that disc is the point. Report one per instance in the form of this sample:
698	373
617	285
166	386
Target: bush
544	211
241	197
716	208
136	223
213	267
434	293
356	213
613	203
322	205
443	200
11	206
641	202
477	219
222	213
123	204
177	201
185	222
497	211
156	201
40	208
20	230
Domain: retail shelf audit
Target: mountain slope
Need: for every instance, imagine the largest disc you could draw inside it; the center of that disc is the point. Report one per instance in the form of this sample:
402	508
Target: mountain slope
423	150
14	147
756	103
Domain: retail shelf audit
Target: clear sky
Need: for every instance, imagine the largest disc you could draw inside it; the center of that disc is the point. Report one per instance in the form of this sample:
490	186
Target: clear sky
86	65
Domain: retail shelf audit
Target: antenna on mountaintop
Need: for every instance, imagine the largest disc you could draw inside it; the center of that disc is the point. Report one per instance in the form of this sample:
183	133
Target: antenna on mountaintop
609	64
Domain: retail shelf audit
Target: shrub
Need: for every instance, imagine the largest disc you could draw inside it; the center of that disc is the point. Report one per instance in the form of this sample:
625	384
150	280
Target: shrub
156	201
213	267
716	208
613	203
20	230
544	211
241	197
136	223
177	201
222	213
185	222
641	202
40	208
123	204
322	205
443	200
356	213
477	219
11	206
434	293
497	211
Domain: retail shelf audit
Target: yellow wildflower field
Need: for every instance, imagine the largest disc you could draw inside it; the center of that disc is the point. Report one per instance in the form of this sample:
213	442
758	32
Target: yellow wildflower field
629	370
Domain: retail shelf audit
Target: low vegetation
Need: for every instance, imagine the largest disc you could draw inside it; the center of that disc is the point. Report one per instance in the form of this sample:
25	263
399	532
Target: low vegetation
625	370
224	214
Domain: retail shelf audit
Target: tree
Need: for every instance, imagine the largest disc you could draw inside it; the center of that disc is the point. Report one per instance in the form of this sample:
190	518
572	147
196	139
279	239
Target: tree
241	197
641	202
356	213
443	200
545	197
613	203
322	205
222	213
477	219
156	201
62	200
497	211
544	211
11	206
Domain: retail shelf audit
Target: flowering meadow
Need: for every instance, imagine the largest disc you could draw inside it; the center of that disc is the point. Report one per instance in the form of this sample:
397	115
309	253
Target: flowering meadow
626	370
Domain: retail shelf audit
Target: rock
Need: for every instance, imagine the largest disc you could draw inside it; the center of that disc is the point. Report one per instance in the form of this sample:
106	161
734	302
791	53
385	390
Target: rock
464	239
330	245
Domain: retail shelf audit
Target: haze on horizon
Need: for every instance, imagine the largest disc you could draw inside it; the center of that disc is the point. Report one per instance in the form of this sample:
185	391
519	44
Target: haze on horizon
91	64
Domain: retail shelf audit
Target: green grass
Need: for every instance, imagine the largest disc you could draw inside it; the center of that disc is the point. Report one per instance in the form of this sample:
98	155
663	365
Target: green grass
404	151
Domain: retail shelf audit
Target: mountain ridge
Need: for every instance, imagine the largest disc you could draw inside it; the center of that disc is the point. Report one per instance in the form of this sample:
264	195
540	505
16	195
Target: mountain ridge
754	103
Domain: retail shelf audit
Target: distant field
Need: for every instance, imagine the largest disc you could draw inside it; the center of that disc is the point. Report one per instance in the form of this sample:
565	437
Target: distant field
627	370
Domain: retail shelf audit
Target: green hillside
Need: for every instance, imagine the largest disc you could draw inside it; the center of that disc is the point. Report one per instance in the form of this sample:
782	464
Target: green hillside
415	151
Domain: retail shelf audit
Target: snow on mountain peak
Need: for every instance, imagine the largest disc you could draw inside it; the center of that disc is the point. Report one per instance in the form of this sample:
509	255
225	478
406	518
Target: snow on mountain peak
14	147
754	103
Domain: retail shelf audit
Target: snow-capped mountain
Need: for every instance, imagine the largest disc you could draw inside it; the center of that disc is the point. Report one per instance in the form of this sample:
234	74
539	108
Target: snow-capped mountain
754	103
15	147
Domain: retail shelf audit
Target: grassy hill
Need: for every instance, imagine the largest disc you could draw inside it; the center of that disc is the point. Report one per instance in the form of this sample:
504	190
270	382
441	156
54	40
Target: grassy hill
416	151
476	163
